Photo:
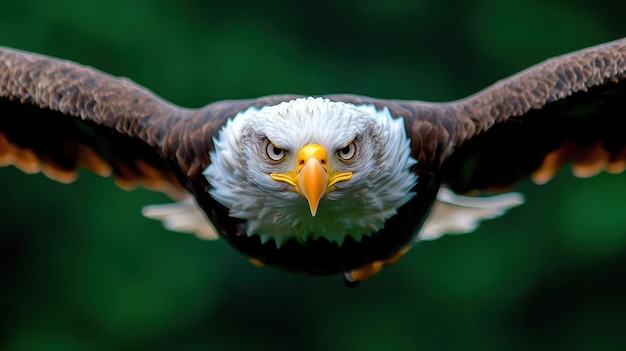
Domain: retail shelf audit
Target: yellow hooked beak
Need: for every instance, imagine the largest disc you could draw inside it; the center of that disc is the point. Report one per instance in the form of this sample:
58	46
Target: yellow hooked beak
312	177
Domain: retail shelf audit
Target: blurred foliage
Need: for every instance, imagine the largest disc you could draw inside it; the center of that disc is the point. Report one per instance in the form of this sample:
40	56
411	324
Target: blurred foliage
81	269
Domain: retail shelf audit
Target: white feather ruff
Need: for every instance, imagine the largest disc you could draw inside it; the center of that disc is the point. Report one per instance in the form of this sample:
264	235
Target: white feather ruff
382	181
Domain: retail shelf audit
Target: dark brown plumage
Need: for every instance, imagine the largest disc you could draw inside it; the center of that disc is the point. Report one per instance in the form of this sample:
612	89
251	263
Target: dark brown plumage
57	116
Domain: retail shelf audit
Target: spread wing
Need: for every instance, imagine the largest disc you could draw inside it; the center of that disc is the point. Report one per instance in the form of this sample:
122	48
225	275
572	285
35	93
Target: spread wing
57	116
570	109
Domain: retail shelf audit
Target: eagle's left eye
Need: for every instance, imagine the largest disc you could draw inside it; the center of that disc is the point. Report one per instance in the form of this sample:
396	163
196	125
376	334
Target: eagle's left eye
348	152
273	152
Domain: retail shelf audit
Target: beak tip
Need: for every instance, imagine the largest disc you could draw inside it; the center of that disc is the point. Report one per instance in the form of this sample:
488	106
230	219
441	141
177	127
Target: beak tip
313	207
312	183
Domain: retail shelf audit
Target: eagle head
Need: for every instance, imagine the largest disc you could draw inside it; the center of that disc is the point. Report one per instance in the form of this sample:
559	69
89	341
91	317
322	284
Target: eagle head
312	168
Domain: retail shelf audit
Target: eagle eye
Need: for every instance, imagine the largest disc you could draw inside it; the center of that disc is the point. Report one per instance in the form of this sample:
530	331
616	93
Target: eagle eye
273	152
348	152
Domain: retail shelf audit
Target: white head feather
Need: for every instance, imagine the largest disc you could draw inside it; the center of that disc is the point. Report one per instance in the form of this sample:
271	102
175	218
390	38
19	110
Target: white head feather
381	180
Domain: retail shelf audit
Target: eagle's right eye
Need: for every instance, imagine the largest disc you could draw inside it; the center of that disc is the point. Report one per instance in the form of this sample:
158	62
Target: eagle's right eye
273	152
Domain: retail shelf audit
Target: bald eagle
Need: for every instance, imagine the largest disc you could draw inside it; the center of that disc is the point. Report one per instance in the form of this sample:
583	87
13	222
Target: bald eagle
319	185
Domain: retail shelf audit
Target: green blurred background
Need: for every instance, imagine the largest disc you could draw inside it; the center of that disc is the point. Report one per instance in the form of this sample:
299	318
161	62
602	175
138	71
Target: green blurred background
82	269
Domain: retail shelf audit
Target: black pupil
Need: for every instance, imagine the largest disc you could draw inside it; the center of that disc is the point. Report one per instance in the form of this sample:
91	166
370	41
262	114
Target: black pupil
345	150
276	151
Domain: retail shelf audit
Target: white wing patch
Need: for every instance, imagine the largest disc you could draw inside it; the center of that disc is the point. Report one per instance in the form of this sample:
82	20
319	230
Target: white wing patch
184	216
457	214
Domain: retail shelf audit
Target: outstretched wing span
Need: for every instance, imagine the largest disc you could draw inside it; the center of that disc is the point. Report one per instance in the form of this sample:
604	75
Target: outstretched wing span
57	116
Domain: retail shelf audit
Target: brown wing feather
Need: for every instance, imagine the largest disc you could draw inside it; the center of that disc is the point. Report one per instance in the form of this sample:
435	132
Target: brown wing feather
57	116
570	109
